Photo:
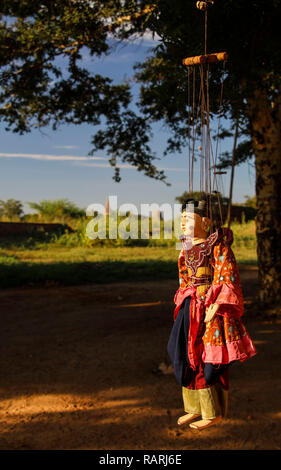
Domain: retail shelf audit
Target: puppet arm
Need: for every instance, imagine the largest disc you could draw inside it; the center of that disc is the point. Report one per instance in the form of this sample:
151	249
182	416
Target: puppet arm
225	294
211	312
183	274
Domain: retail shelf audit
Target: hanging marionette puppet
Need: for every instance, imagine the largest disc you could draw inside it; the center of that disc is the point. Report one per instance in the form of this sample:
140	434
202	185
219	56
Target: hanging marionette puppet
208	334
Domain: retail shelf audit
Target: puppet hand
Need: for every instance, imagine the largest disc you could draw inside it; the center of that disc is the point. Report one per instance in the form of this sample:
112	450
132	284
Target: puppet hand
210	313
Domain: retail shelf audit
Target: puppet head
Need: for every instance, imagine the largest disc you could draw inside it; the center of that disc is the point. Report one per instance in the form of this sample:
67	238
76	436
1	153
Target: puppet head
195	222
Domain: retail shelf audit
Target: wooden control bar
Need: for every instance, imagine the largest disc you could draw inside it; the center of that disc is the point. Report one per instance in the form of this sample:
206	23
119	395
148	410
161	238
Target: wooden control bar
207	58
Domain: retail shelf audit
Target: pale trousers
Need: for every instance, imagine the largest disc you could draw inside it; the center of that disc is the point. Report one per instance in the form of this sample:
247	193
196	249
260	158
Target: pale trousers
208	402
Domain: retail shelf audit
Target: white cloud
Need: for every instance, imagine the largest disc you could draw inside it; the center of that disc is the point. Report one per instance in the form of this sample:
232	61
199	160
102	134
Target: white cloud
68	147
106	165
79	160
126	166
44	156
171	169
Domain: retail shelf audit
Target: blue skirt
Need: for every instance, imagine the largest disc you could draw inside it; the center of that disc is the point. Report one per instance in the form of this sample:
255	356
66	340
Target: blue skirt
178	351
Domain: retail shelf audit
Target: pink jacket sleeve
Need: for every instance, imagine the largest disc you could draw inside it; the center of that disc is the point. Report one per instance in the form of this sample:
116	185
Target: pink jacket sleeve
226	288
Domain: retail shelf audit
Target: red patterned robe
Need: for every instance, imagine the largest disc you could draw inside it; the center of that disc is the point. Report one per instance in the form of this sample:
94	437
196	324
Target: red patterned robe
208	274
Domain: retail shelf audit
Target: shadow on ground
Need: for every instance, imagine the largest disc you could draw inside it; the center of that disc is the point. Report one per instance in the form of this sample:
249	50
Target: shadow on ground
77	372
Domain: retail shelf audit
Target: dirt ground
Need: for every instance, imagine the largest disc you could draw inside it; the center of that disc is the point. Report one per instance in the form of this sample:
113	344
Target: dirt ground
77	372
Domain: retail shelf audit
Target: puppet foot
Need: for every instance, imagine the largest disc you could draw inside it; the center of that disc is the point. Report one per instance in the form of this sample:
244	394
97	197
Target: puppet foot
187	418
205	423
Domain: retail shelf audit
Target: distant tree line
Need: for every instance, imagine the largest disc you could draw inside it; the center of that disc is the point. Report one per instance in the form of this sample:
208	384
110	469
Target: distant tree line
46	210
63	209
11	209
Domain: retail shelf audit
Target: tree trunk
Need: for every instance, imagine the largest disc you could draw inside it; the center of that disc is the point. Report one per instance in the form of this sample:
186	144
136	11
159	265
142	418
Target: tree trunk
265	119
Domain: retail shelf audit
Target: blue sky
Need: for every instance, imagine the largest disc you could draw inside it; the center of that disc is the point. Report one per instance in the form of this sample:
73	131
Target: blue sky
55	164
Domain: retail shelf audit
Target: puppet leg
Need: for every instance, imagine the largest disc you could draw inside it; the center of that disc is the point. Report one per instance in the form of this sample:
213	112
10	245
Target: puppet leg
204	402
210	408
191	404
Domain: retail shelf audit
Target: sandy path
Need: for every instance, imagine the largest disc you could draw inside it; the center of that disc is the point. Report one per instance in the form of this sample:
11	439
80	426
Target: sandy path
76	372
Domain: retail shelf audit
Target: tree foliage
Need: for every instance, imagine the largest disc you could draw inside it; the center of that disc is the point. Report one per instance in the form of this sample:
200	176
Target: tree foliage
11	209
197	196
57	209
250	201
43	79
248	31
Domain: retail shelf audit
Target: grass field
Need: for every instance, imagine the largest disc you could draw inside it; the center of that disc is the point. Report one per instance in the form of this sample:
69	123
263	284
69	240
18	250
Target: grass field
35	261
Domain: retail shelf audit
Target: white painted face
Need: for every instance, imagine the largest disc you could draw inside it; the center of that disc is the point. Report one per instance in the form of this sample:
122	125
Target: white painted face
188	220
193	225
